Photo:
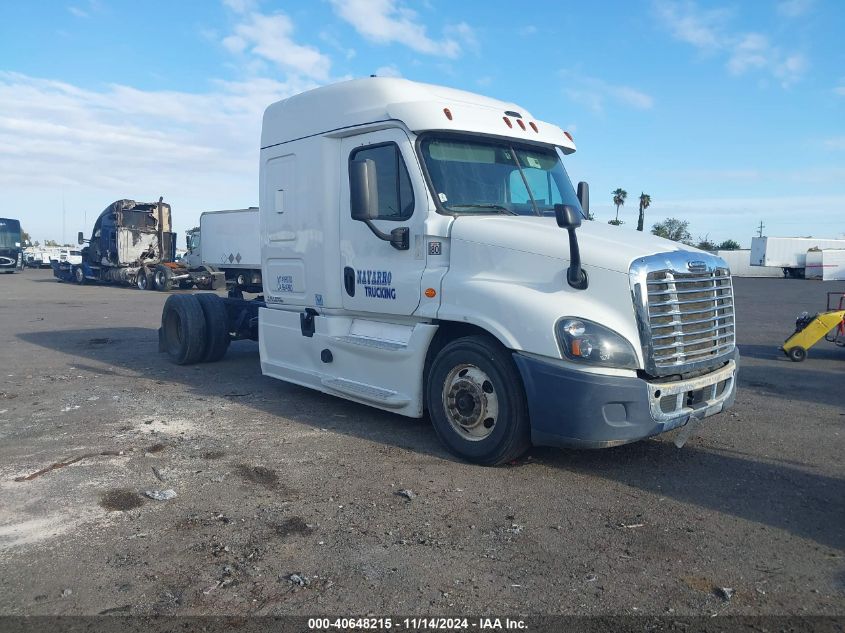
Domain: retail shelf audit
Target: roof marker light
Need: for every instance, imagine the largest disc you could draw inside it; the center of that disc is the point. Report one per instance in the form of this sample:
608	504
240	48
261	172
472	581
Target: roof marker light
521	123
569	136
507	121
534	126
448	113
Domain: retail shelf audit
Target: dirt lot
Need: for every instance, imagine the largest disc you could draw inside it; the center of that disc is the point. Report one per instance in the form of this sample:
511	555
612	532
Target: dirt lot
274	480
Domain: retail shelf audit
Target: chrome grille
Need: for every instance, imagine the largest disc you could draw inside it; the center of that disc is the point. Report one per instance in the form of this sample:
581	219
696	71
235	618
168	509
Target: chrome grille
686	318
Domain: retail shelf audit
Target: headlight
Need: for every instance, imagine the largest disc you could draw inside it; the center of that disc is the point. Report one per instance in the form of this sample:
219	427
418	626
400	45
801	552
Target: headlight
587	342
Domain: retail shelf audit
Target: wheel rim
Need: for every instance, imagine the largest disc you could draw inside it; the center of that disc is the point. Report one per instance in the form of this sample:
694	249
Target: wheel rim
78	274
470	402
159	279
142	281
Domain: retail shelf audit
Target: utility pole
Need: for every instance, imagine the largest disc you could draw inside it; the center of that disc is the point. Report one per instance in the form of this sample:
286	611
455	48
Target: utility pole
64	241
760	229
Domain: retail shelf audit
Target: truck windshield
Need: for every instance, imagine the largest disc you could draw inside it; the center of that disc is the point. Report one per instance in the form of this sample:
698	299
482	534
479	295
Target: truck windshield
10	233
473	175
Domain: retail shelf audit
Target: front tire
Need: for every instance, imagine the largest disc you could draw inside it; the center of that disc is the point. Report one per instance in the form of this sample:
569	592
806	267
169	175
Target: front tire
476	402
78	275
797	354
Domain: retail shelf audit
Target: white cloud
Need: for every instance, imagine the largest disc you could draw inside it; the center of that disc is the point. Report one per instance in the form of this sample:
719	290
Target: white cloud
269	37
839	90
794	8
708	31
388	71
241	6
200	149
835	143
595	93
527	31
78	12
389	21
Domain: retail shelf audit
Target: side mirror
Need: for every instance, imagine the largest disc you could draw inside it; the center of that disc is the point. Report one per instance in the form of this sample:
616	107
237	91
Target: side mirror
363	189
80	238
584	197
567	216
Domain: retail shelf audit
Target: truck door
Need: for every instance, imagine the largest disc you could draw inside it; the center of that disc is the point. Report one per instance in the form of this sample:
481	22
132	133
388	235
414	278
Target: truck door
377	277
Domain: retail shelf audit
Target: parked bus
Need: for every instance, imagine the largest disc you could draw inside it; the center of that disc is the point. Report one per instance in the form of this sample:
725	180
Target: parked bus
11	248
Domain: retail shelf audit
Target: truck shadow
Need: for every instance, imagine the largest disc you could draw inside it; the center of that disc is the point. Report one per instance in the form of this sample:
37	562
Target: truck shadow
773	493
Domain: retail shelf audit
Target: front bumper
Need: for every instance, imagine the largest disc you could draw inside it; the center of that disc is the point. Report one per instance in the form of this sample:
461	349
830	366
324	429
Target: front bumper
578	409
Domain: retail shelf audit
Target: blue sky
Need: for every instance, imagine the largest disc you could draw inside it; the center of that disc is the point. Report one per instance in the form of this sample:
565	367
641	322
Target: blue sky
726	113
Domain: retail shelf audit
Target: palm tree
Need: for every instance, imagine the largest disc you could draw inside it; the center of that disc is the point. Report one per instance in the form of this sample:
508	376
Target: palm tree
619	199
645	202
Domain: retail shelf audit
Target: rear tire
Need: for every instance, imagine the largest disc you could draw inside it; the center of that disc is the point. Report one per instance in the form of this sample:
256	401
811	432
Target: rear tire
163	278
183	329
144	279
78	275
797	354
216	326
476	401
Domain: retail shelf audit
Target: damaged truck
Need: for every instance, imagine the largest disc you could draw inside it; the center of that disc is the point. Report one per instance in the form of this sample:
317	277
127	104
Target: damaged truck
133	243
424	252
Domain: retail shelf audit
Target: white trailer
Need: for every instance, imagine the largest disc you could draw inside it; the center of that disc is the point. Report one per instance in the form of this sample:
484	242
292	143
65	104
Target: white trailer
230	242
424	251
826	264
787	253
739	261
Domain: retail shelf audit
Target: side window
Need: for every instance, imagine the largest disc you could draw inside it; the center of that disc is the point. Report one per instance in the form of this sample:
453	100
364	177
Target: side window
395	194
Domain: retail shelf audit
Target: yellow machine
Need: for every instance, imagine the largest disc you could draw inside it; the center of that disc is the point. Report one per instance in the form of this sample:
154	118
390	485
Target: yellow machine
809	330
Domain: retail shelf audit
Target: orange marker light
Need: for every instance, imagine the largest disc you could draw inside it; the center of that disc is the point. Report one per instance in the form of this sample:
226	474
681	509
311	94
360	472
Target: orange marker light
521	124
430	293
533	126
507	121
569	136
448	113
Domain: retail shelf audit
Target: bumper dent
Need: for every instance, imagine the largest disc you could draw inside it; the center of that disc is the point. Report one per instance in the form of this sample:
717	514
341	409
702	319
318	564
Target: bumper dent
574	408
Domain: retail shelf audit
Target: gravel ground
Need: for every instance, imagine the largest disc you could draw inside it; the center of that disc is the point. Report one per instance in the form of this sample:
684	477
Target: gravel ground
288	500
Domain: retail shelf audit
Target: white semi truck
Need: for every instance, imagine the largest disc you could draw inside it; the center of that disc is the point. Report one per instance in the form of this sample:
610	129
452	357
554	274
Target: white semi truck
424	252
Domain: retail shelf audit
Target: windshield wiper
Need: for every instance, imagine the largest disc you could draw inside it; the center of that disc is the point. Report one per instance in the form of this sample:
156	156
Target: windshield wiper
496	207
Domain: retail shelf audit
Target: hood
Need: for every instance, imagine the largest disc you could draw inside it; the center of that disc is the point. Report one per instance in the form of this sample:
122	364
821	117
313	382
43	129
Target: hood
601	245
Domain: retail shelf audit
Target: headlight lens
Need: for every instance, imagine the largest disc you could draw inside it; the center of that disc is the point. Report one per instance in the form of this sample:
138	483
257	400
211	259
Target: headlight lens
588	342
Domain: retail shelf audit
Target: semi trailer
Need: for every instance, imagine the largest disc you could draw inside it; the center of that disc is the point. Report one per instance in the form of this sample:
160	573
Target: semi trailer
423	251
788	253
228	241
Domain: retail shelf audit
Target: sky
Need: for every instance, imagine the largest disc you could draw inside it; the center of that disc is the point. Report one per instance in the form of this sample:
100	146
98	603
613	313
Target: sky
727	114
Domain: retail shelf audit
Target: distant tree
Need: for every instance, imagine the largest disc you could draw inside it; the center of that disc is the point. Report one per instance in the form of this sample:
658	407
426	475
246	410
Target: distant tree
619	196
51	243
25	237
616	222
590	215
36	243
645	202
728	245
672	229
705	244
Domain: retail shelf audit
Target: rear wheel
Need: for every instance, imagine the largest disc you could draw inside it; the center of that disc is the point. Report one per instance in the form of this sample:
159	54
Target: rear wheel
163	278
797	354
476	401
183	329
144	279
216	326
78	275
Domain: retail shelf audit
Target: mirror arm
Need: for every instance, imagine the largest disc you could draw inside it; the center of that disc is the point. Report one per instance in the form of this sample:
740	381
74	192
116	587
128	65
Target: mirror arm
398	238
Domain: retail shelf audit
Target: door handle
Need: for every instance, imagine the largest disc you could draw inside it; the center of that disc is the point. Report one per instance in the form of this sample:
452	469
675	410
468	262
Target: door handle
349	281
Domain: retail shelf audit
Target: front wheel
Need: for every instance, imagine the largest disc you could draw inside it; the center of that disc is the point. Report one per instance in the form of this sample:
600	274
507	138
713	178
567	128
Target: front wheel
797	354
477	403
78	275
